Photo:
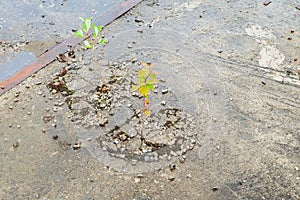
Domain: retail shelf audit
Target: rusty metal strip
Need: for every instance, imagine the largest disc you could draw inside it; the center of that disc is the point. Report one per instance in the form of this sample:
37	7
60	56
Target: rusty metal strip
49	56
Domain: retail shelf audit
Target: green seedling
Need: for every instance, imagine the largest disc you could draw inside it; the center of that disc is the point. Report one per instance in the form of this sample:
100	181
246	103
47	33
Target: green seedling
145	84
91	41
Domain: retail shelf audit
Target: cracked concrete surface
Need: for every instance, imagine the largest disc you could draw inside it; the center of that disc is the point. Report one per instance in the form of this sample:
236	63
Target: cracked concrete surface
241	62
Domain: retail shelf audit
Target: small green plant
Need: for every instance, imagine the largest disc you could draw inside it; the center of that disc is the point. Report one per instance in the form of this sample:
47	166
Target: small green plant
91	41
146	81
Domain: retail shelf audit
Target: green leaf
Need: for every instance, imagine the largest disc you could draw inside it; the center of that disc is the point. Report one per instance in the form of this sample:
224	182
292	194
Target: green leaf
141	75
147	72
83	20
96	32
102	41
100	28
79	33
150	86
152	79
87	44
147	112
135	87
144	91
87	24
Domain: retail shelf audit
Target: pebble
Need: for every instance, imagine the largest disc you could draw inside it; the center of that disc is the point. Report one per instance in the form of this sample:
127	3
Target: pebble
172	167
171	178
147	158
163	103
38	83
18	126
44	130
129	46
140	176
137	180
165	91
189	176
2	87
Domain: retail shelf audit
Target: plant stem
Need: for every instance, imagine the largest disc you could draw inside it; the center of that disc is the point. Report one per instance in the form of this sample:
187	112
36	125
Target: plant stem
142	133
99	67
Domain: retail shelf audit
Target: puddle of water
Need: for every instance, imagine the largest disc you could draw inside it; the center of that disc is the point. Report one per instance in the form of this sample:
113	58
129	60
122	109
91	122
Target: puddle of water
15	64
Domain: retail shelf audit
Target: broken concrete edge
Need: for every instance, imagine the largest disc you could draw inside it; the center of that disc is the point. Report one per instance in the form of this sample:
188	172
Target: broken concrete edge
49	56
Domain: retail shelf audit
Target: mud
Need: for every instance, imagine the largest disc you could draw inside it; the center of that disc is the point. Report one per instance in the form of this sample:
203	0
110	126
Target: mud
232	66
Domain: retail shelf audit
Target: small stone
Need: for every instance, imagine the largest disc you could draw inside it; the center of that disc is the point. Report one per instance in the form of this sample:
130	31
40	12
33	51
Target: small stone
140	176
296	168
43	130
16	100
54	91
28	113
218	147
163	103
129	46
102	105
122	156
137	180
189	176
147	158
18	126
172	167
40	93
171	178
2	87
138	20
38	83
165	91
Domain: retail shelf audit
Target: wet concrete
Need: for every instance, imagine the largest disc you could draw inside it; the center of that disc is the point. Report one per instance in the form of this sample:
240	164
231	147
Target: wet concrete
34	27
238	65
